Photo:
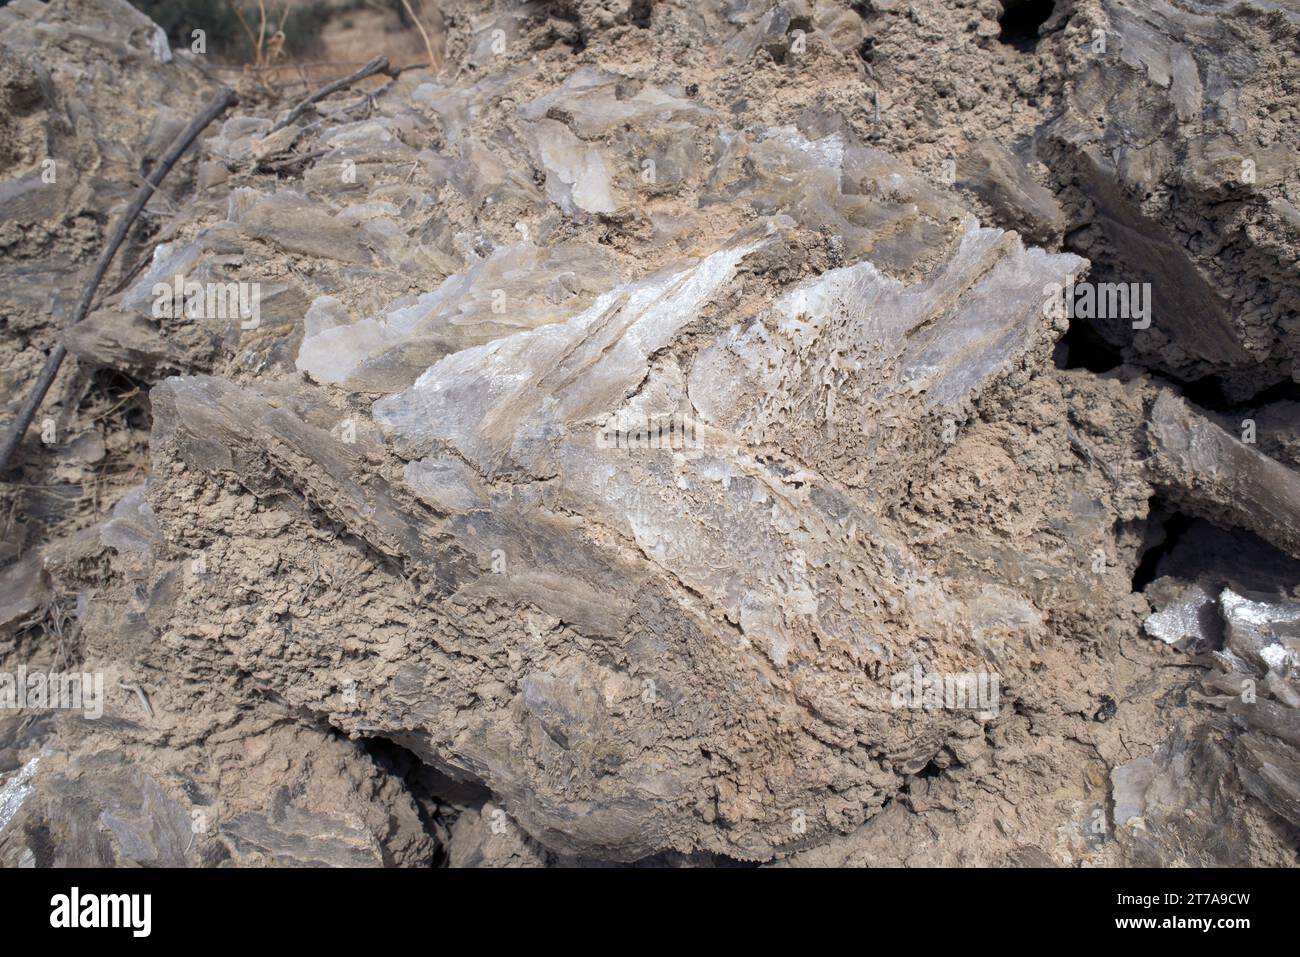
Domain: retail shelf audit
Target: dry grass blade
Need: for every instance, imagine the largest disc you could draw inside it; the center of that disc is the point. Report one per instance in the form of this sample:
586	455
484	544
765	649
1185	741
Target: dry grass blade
428	44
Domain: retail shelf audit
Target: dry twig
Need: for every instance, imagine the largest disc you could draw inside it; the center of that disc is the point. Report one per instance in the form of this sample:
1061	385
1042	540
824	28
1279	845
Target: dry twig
378	65
223	100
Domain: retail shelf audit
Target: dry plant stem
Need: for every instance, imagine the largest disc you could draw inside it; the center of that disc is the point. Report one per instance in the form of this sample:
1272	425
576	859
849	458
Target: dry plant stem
378	65
222	101
428	46
399	70
244	23
261	29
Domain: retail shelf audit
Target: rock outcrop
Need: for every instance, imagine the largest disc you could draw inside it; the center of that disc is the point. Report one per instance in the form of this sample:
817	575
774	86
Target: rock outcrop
601	449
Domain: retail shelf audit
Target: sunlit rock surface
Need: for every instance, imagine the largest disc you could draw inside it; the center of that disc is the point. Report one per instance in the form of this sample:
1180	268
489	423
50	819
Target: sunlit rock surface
612	455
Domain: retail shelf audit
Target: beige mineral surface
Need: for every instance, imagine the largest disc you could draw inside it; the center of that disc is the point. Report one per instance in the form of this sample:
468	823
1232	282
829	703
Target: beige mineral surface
678	433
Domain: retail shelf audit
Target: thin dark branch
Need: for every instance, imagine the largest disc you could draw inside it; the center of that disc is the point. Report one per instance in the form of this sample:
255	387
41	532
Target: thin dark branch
399	70
378	65
222	101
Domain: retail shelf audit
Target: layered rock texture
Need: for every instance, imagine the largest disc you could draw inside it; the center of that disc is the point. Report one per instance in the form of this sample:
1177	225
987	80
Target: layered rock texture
599	447
1177	140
